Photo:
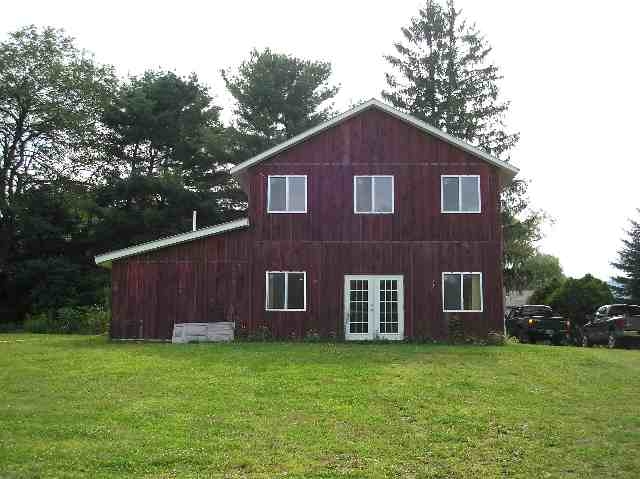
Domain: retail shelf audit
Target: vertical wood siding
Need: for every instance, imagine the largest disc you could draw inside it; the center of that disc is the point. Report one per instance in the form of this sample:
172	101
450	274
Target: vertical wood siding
223	277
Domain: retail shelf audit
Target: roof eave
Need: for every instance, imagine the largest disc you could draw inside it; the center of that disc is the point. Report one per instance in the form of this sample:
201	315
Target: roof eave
105	259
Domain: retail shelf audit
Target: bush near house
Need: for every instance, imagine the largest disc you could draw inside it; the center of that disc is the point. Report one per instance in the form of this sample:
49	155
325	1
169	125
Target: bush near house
79	320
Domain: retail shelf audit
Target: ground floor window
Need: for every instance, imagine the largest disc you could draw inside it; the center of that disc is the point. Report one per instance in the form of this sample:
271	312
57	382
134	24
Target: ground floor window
286	291
461	292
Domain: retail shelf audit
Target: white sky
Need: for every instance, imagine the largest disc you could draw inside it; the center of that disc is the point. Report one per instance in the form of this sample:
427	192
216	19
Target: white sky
570	70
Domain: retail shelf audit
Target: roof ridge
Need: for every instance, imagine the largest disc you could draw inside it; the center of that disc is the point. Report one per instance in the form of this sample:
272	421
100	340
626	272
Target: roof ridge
508	169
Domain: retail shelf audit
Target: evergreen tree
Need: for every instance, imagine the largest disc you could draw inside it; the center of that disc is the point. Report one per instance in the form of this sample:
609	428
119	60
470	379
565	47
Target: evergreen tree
166	156
277	96
445	78
627	287
441	73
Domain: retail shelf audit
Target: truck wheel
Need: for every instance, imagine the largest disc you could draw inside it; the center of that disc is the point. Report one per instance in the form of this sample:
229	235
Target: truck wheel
585	341
612	342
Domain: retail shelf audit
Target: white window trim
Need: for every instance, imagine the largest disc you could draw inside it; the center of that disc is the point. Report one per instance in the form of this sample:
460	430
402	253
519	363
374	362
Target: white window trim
373	205
462	293
286	290
442	210
286	187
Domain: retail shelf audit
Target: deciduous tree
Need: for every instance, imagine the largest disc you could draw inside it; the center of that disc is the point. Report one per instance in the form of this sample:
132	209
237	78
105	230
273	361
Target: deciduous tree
51	98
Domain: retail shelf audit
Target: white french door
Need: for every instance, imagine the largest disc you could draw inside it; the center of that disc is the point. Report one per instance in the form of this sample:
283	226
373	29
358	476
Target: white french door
374	307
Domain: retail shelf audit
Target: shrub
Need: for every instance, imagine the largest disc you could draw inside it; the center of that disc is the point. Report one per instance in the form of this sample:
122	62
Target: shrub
312	336
10	327
79	320
496	339
39	323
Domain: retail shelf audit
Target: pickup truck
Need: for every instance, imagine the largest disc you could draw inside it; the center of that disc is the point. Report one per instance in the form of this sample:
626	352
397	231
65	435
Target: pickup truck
614	325
531	323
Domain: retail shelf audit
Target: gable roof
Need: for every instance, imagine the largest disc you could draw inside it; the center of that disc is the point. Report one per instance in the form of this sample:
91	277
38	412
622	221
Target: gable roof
508	171
106	258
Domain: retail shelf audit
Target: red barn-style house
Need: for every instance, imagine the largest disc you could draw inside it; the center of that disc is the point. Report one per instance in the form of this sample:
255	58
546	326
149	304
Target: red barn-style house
372	225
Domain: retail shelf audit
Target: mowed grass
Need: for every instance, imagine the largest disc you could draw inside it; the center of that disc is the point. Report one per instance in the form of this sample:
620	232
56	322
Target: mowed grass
87	407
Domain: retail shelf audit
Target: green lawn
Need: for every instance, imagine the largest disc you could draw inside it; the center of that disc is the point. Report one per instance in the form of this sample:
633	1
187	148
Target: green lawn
86	407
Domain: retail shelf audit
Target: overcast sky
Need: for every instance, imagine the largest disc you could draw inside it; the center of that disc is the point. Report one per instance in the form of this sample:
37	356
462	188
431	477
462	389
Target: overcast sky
570	70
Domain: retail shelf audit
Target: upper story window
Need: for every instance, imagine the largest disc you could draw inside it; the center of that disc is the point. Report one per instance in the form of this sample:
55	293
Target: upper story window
461	292
460	193
286	291
287	194
373	194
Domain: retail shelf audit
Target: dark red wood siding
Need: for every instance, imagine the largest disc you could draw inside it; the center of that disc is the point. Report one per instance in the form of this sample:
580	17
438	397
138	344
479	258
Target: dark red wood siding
223	277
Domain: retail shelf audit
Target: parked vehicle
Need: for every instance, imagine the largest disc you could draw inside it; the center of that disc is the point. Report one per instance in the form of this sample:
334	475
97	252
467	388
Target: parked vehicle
614	325
531	323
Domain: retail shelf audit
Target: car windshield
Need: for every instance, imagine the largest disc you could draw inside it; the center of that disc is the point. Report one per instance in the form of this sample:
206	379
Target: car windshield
543	311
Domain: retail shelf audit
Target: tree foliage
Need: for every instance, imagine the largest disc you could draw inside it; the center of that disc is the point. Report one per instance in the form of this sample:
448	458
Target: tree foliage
442	73
627	287
51	99
166	156
542	269
576	298
277	96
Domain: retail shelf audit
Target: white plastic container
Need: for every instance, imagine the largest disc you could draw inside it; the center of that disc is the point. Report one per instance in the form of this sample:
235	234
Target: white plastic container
203	332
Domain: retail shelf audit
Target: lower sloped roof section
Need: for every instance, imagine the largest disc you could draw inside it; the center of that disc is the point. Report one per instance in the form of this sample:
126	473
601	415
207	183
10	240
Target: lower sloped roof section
105	259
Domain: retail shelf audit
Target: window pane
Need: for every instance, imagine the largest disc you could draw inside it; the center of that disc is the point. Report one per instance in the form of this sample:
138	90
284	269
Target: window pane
275	291
383	190
363	194
295	296
277	193
469	188
297	193
472	293
450	198
452	292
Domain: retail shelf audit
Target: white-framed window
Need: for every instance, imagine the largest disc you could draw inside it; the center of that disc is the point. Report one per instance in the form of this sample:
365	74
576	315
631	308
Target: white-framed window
462	292
460	193
286	291
373	194
287	194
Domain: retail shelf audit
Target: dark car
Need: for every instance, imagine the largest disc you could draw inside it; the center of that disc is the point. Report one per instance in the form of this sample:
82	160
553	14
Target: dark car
534	322
614	325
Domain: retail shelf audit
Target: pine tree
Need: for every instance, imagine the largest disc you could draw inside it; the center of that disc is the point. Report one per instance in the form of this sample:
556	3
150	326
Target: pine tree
442	74
628	284
277	96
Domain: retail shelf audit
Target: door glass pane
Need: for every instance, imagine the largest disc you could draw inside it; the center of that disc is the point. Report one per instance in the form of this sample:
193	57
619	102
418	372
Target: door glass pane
472	293
358	306
452	287
363	194
383	191
295	293
450	198
297	193
388	306
275	291
469	189
277	193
